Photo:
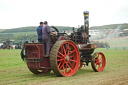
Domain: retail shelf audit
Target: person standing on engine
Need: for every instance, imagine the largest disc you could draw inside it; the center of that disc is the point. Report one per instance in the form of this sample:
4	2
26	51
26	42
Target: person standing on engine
39	32
46	38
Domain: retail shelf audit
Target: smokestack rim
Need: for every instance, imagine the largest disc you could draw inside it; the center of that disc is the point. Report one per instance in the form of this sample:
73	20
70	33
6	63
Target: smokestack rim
86	12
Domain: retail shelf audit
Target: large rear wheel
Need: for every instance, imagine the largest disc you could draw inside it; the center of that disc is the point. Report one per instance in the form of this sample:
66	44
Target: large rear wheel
98	62
64	58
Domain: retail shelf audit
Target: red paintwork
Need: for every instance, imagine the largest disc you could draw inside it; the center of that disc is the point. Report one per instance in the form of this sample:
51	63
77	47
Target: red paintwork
80	66
37	51
68	58
100	62
61	38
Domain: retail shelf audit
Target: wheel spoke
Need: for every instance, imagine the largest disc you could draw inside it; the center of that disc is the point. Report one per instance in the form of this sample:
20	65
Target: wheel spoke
73	60
71	56
61	50
69	67
64	49
72	52
60	59
63	69
59	56
96	63
61	66
96	60
101	58
99	67
70	64
67	50
101	61
60	53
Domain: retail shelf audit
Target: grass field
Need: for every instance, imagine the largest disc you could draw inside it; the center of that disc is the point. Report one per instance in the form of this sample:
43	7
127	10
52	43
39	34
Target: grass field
13	71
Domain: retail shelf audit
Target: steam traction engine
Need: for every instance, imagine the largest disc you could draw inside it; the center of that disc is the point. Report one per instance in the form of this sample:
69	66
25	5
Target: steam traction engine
67	54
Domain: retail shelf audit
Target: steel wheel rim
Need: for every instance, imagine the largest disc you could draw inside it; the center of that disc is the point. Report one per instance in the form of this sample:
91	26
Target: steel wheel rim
68	58
100	62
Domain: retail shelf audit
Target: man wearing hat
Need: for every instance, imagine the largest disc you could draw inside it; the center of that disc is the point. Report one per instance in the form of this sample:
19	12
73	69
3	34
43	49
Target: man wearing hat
39	32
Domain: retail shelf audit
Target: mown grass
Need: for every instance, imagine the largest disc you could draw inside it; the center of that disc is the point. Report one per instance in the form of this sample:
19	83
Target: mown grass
13	71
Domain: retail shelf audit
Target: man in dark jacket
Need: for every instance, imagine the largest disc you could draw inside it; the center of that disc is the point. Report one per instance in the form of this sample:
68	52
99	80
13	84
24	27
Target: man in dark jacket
39	32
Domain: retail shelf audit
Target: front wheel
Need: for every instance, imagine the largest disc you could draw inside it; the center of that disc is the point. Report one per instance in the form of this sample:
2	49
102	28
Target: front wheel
98	62
64	58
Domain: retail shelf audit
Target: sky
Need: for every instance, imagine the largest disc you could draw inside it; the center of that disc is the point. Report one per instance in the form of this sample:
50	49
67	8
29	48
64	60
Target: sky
21	13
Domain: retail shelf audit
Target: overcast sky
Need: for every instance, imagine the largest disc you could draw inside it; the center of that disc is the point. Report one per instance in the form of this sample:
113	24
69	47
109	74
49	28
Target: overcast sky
20	13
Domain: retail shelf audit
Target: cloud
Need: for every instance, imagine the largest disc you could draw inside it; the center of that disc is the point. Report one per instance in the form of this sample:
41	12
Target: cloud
19	13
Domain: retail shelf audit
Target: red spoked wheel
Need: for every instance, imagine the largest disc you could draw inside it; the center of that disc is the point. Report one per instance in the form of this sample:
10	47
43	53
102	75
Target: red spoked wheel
64	58
80	66
98	62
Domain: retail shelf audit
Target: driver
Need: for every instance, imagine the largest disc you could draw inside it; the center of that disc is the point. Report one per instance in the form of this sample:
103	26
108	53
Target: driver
46	37
39	32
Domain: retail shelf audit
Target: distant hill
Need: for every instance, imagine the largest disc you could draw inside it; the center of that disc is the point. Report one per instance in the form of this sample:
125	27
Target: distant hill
112	26
63	28
31	29
2	30
24	33
21	29
27	33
